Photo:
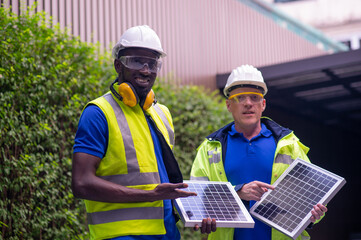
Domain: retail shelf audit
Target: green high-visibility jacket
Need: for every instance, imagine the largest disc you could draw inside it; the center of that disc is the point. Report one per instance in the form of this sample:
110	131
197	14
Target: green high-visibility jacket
209	164
130	161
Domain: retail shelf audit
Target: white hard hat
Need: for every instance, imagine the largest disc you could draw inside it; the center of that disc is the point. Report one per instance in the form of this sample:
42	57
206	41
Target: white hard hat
245	76
139	36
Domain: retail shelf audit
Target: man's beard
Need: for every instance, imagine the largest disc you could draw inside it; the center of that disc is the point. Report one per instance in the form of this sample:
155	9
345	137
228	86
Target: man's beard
142	93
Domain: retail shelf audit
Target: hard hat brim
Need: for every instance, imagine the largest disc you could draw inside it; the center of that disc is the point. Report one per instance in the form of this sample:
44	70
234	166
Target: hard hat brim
119	47
245	84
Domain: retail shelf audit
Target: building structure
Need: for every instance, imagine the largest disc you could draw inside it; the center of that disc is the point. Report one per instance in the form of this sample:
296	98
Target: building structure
339	20
202	38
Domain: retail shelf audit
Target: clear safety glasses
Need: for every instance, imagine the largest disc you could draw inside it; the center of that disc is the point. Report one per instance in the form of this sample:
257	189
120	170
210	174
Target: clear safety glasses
242	97
139	62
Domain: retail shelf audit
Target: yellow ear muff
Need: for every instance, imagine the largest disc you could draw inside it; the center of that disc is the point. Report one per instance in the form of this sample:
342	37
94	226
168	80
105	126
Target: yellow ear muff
130	98
127	92
149	100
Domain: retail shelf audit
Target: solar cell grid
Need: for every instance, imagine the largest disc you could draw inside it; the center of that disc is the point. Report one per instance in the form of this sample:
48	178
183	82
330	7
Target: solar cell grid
301	186
216	200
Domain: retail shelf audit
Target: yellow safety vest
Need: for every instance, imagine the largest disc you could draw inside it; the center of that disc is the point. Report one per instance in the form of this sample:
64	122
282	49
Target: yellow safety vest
129	161
208	166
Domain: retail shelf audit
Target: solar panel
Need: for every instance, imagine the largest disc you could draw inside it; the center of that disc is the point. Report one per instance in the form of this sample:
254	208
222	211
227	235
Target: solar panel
288	207
216	200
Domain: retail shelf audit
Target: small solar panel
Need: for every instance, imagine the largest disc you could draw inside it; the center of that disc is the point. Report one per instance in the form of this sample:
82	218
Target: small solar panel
298	189
216	200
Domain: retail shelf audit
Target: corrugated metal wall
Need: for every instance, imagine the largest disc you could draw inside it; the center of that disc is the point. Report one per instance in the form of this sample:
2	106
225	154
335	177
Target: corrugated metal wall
201	37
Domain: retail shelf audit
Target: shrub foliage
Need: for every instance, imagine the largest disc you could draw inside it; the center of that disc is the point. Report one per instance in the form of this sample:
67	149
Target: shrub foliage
46	77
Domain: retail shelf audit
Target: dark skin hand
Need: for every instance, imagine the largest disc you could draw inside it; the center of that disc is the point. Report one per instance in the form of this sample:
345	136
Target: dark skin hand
208	225
86	185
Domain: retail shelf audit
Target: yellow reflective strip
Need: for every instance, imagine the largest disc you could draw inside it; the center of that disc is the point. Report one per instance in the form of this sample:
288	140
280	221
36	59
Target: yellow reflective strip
165	122
130	152
142	138
242	93
127	227
114	151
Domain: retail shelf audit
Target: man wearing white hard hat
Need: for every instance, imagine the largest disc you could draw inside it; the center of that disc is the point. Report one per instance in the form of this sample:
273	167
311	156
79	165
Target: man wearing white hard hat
251	152
123	164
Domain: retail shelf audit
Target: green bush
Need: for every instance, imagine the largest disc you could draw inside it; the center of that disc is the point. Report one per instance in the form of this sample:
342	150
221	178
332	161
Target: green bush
46	77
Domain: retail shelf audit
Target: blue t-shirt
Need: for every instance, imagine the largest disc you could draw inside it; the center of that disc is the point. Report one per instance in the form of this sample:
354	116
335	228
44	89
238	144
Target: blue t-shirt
247	161
92	138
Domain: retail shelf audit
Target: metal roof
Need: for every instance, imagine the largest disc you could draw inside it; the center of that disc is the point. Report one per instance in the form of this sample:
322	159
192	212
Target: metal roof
325	89
305	31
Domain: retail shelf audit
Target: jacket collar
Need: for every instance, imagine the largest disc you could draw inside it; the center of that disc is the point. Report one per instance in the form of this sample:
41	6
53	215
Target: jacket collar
220	134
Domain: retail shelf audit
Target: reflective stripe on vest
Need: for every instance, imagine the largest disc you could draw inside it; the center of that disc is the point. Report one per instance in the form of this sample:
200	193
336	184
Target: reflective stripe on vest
283	158
166	123
214	156
134	176
125	214
199	178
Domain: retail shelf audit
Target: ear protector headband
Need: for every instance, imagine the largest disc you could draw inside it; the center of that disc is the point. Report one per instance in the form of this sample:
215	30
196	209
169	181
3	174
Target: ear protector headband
127	94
